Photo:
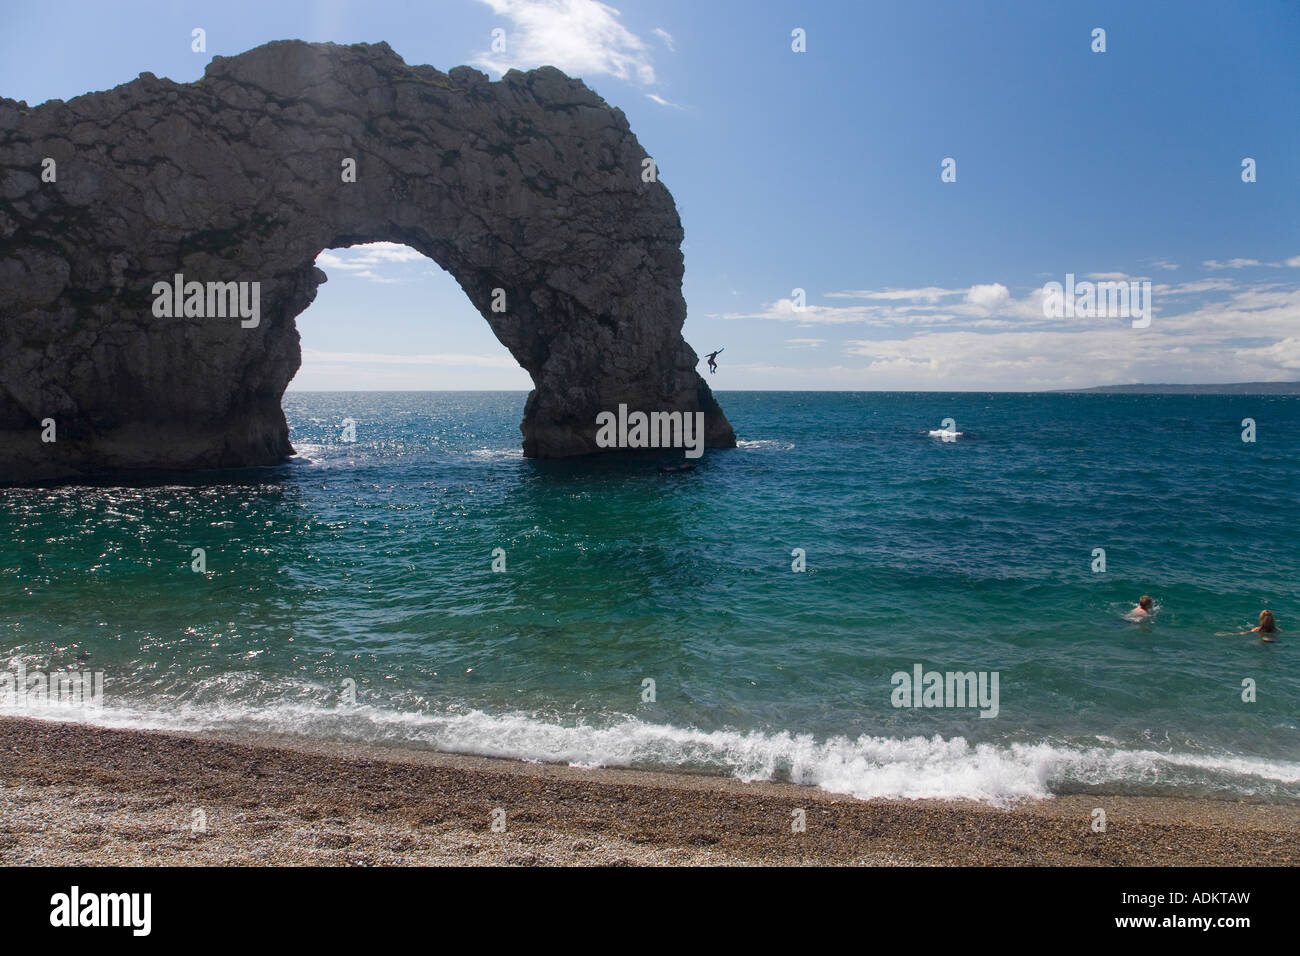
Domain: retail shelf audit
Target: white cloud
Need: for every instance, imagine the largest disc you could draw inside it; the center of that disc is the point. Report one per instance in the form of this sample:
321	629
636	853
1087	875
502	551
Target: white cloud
928	294
986	337
783	310
1231	263
449	359
1196	346
663	102
580	37
374	277
1196	286
666	37
1294	262
1285	353
988	297
362	261
984	306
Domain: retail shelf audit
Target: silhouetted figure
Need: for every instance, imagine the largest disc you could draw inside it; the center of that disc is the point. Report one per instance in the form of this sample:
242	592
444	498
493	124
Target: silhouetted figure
713	363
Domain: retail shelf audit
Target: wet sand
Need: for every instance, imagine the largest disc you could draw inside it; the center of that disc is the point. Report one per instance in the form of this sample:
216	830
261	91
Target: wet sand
71	794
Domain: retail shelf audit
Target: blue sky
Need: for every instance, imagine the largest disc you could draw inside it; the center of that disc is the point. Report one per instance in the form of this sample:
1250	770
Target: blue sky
821	171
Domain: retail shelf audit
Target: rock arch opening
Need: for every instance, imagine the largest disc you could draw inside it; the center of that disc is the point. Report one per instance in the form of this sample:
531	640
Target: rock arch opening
389	318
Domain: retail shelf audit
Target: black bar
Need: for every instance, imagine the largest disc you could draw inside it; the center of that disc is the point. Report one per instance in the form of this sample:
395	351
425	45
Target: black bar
211	906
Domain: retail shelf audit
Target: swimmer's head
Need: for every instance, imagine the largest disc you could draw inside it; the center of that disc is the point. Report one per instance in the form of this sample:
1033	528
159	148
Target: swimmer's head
1145	602
1266	622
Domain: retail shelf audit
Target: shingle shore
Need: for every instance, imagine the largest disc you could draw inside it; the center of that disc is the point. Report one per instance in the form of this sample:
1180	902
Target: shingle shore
74	794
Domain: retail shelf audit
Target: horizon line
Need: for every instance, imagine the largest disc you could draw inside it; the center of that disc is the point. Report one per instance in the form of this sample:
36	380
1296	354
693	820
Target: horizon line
937	391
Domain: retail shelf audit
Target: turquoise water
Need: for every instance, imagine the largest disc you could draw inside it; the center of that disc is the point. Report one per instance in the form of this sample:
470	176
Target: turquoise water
370	562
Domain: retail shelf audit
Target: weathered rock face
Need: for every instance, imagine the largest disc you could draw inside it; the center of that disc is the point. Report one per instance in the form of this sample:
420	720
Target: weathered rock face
531	185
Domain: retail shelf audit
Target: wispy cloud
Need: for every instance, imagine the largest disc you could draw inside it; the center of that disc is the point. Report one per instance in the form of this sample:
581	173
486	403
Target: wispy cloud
1231	263
1114	277
1208	329
988	305
447	359
667	37
580	37
927	294
663	102
363	261
1204	344
1194	287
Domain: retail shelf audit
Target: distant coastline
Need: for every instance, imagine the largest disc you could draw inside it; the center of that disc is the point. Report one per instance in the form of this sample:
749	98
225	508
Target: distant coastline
1230	388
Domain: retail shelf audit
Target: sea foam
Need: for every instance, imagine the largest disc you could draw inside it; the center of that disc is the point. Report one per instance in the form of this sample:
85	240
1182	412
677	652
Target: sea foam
864	767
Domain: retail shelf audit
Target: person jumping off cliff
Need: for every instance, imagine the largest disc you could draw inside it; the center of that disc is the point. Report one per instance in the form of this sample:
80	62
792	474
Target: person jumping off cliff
713	360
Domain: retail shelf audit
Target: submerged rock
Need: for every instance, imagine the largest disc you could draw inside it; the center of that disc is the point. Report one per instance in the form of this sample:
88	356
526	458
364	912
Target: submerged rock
529	191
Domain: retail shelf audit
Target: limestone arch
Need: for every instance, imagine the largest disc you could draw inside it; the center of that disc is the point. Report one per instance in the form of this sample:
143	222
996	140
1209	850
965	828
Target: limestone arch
531	184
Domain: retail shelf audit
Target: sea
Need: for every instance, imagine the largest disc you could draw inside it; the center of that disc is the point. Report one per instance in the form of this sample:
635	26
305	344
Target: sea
410	580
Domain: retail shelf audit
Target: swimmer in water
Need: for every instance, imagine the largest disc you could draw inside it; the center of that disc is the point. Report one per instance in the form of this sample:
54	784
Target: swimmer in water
1143	609
1267	629
713	360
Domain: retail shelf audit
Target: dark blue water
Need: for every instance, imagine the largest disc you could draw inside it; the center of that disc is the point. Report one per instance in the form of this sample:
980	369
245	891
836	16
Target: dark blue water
365	570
